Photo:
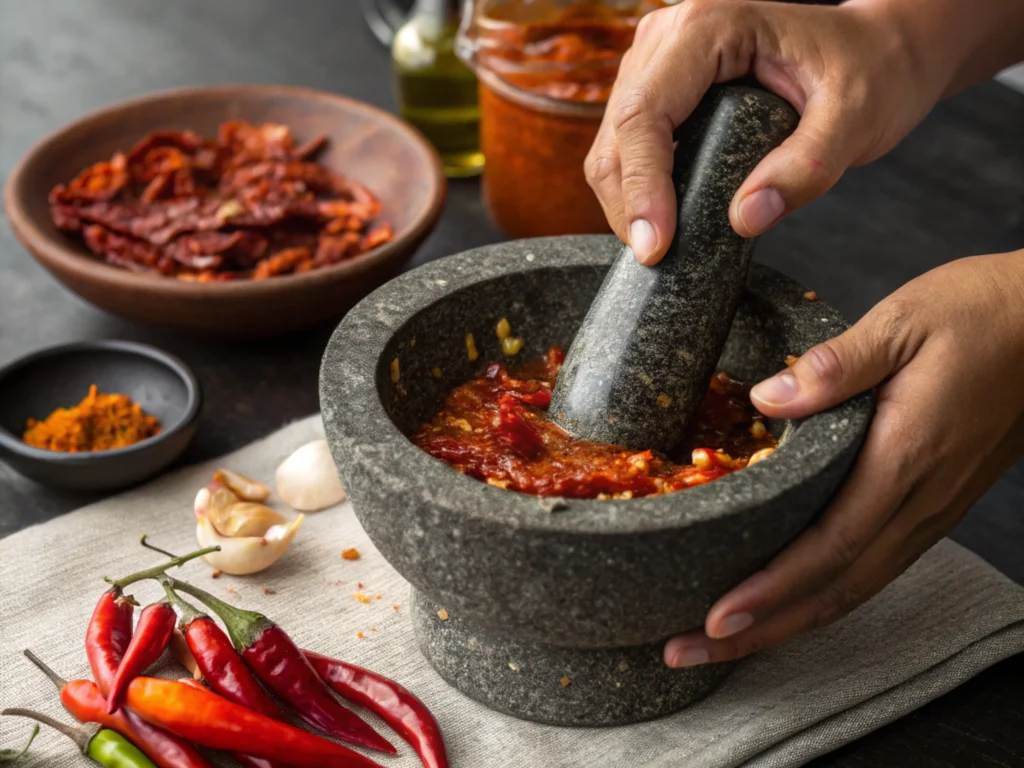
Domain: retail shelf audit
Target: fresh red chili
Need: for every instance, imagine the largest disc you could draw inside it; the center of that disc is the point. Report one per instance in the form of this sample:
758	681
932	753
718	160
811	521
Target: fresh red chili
108	636
279	664
156	623
391	702
246	761
83	701
212	721
223	669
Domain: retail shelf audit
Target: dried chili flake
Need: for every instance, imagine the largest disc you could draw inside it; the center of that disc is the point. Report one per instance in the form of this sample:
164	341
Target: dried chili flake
442	615
351	554
361	597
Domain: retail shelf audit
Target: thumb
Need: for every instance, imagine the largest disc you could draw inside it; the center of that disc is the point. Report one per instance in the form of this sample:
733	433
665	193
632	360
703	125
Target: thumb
802	168
834	371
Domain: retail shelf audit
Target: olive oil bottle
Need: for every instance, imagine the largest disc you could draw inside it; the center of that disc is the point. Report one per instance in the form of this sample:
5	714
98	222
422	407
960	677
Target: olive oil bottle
437	93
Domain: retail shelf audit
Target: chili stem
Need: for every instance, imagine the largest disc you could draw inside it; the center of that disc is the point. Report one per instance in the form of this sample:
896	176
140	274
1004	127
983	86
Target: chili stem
56	679
186	611
144	542
243	626
12	755
81	736
152	573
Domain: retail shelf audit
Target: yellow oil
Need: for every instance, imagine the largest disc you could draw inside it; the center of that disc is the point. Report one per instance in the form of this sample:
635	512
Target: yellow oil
437	93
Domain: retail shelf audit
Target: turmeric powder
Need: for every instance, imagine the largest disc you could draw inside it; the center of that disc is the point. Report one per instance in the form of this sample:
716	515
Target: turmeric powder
101	422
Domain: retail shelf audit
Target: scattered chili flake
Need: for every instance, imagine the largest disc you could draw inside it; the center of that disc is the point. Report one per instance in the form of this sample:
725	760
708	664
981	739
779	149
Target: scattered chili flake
442	615
394	607
360	597
565	681
269	591
216	574
791	359
378	597
471	351
350	554
360	585
359	635
248	203
373	629
664	401
810	295
231	591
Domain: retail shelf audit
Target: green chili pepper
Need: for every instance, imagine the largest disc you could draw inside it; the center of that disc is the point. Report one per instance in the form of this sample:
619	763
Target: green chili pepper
103	745
11	755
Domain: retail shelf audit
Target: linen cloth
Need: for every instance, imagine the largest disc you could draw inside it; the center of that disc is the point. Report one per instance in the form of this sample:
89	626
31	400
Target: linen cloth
950	616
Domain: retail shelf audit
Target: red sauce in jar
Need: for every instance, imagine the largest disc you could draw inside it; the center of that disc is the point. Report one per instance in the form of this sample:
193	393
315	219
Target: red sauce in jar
494	429
545	74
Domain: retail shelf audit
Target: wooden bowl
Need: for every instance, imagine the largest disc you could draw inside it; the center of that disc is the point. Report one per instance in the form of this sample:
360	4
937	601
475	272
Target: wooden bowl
365	143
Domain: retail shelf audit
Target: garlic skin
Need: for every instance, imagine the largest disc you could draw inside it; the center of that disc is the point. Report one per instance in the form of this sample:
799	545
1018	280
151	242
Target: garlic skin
308	480
244	518
245	488
245	555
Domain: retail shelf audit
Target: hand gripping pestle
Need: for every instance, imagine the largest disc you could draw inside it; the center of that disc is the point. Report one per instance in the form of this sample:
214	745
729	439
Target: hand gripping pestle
640	364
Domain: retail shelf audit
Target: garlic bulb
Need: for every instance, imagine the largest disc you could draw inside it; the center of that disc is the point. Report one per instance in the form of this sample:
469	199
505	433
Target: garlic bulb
244	555
308	480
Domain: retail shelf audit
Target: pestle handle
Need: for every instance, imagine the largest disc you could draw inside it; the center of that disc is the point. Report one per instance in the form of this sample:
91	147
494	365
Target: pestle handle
640	364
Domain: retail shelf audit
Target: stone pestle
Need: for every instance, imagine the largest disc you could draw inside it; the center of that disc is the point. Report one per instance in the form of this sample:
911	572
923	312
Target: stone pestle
640	364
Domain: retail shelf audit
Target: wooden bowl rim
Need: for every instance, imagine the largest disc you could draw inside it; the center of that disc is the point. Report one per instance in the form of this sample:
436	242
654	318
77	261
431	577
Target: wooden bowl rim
81	267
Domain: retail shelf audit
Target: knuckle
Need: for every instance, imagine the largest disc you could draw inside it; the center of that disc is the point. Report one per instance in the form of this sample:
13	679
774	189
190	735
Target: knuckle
845	546
599	167
633	109
827	361
834	602
892	321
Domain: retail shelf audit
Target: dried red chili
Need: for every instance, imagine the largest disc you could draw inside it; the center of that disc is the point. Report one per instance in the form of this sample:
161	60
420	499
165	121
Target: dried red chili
248	204
494	428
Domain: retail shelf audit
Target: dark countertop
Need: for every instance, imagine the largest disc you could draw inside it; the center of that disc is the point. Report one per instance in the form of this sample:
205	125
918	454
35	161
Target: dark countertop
955	187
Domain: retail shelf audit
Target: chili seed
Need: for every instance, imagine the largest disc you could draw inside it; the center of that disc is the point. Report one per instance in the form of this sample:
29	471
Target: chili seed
790	359
436	372
471	351
761	455
664	401
757	429
511	345
396	374
442	615
503	329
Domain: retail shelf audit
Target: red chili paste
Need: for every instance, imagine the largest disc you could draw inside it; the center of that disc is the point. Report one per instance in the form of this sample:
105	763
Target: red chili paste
494	428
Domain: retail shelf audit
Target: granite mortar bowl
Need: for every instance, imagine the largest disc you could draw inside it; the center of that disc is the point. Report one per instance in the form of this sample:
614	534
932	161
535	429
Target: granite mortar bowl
557	611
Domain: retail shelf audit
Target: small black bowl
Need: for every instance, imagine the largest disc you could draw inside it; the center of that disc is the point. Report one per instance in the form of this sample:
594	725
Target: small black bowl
59	377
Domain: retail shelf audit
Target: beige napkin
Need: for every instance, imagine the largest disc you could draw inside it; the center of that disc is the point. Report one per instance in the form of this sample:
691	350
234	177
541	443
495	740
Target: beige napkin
945	620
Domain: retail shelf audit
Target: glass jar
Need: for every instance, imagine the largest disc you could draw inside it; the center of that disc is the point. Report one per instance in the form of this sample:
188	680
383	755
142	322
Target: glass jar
545	69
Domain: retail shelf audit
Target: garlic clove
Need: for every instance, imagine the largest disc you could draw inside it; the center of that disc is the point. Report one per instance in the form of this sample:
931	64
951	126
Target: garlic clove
245	488
183	654
241	556
308	480
214	496
244	518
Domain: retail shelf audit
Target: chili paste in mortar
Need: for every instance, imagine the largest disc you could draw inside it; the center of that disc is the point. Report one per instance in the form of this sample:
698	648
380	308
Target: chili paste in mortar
494	429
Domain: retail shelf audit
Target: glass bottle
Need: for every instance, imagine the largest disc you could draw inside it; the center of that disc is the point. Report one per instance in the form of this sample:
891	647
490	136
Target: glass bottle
437	92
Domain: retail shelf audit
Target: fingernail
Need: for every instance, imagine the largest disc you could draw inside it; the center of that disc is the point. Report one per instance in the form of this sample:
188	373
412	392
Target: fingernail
778	390
689	657
760	210
734	623
642	239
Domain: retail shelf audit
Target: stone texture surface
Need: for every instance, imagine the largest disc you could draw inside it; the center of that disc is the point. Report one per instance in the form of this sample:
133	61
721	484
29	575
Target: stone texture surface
596	574
557	685
639	366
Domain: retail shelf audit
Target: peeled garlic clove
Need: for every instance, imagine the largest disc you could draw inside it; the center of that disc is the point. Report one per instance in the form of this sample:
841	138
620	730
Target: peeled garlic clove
246	488
241	556
308	480
244	518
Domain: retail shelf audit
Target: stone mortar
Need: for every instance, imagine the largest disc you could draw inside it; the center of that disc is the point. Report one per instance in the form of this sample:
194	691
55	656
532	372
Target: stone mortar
540	592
